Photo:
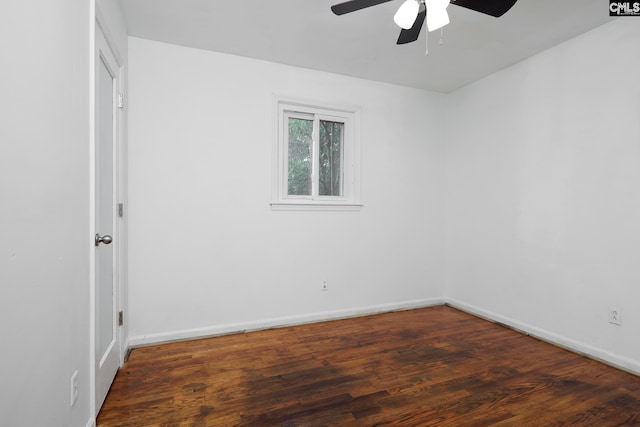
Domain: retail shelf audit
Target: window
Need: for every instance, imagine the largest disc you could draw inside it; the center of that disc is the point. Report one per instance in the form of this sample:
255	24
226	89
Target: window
316	157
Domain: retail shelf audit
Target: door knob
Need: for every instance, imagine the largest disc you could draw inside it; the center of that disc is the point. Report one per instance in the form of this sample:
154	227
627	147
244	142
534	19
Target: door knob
106	239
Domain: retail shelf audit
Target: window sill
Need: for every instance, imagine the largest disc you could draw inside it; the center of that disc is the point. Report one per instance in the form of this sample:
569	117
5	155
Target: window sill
315	206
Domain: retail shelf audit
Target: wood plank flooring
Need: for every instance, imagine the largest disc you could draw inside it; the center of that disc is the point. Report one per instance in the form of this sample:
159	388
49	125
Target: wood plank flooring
428	367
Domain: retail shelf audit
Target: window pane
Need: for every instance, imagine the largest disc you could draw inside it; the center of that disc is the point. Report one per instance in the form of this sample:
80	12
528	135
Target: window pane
330	168
300	157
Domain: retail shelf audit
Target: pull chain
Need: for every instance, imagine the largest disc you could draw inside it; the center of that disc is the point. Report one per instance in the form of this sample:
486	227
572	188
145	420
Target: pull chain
441	41
426	52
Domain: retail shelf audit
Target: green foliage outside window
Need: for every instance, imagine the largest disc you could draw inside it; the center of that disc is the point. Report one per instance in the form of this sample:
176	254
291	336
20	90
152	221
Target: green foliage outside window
330	170
300	157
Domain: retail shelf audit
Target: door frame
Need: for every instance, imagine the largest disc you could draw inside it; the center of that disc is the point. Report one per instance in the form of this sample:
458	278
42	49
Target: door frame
120	190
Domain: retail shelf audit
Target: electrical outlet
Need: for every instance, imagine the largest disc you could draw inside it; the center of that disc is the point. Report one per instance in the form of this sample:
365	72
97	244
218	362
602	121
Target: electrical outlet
74	388
325	286
614	316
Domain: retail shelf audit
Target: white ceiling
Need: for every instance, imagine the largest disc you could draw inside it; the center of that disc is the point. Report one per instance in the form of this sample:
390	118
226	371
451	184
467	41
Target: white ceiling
305	33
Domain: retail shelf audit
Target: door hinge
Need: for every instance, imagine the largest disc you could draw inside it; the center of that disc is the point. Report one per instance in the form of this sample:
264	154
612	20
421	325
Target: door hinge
120	318
120	100
120	210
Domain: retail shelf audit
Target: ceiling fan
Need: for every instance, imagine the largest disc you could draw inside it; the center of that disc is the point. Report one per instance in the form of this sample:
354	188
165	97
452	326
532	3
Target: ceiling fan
412	14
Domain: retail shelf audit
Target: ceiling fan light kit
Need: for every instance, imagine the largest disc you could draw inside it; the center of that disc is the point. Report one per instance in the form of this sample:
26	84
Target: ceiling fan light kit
412	13
407	14
437	16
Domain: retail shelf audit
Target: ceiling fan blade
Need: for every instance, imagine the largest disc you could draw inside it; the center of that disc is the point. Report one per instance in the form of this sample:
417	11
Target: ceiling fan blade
412	34
353	5
495	8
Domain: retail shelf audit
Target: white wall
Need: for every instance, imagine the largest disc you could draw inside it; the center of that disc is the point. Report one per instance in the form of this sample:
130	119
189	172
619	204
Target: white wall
543	194
44	212
110	13
208	255
541	163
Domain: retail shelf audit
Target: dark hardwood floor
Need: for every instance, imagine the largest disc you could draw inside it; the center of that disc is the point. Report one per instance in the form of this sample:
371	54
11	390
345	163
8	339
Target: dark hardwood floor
433	366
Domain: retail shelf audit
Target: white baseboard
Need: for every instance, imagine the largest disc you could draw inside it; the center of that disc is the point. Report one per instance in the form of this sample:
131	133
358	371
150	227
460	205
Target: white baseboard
124	348
624	363
215	330
91	423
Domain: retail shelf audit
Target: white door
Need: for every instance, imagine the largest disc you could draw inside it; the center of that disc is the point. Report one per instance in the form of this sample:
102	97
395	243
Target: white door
107	346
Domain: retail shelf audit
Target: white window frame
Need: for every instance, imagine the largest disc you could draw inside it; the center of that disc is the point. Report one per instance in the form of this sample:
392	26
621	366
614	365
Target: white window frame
286	108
